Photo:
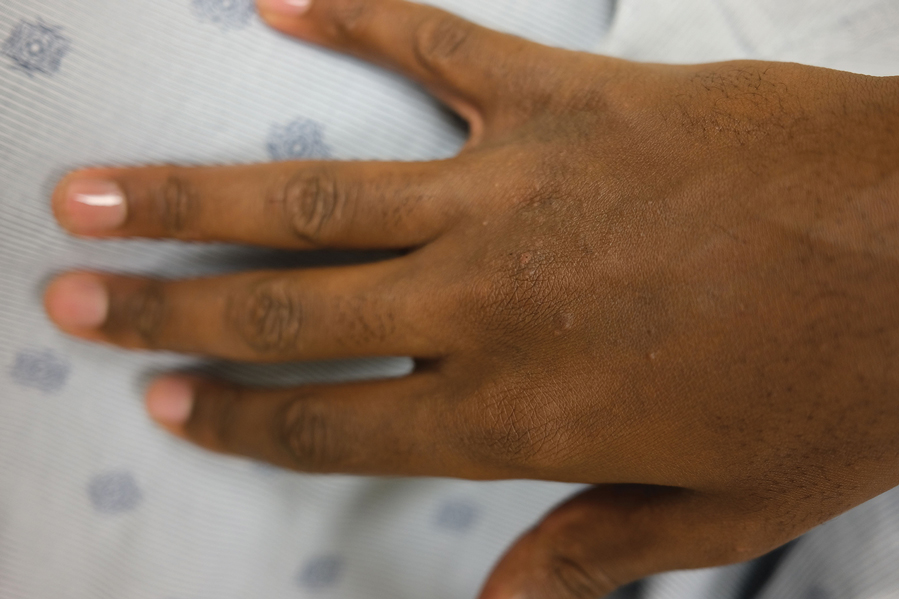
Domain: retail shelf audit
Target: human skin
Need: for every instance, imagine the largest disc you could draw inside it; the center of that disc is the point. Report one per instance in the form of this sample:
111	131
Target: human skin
675	283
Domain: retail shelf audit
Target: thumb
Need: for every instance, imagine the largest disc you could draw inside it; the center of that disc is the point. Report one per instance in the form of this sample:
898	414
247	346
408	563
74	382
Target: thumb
611	535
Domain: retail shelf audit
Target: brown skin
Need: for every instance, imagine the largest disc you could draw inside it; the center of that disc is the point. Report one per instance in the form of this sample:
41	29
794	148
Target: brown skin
677	283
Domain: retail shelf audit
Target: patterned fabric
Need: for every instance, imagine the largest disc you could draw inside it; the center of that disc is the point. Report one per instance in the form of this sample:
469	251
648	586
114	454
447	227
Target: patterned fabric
36	48
96	502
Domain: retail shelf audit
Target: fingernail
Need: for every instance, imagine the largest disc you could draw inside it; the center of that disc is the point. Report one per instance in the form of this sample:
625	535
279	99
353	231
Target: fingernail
78	301
170	401
95	206
285	7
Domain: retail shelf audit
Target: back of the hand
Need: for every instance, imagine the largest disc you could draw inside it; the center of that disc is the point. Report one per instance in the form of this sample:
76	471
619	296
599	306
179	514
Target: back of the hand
677	283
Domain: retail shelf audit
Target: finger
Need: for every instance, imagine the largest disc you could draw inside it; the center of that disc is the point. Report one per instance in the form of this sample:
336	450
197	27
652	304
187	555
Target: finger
381	427
466	65
286	205
265	316
612	535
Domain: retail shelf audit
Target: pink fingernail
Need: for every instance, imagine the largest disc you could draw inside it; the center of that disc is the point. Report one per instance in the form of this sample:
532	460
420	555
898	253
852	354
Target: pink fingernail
78	301
94	206
285	7
170	401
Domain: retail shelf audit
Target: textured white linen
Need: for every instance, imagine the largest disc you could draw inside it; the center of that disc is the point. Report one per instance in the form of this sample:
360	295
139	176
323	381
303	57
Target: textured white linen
95	501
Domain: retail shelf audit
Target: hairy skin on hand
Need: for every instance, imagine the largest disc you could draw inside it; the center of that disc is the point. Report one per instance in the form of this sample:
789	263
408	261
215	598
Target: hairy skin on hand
676	283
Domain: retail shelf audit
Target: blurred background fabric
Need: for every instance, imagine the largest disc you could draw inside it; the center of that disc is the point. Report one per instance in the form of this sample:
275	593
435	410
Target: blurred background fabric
95	501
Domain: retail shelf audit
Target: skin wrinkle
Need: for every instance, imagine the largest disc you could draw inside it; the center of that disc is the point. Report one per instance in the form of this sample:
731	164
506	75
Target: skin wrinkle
148	311
348	17
310	200
268	316
673	282
178	205
215	421
579	582
140	311
308	438
222	420
437	40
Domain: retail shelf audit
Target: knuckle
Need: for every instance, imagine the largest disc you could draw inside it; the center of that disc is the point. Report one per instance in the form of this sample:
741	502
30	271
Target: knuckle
520	296
268	316
215	418
575	567
177	205
145	312
305	432
312	201
571	579
440	39
509	430
347	17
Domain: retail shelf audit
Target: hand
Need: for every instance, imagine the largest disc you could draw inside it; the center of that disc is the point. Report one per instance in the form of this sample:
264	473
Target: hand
677	283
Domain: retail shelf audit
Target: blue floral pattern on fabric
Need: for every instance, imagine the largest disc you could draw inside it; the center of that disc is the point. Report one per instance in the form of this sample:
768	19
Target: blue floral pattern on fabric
114	492
299	139
228	14
456	515
40	369
321	572
36	47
